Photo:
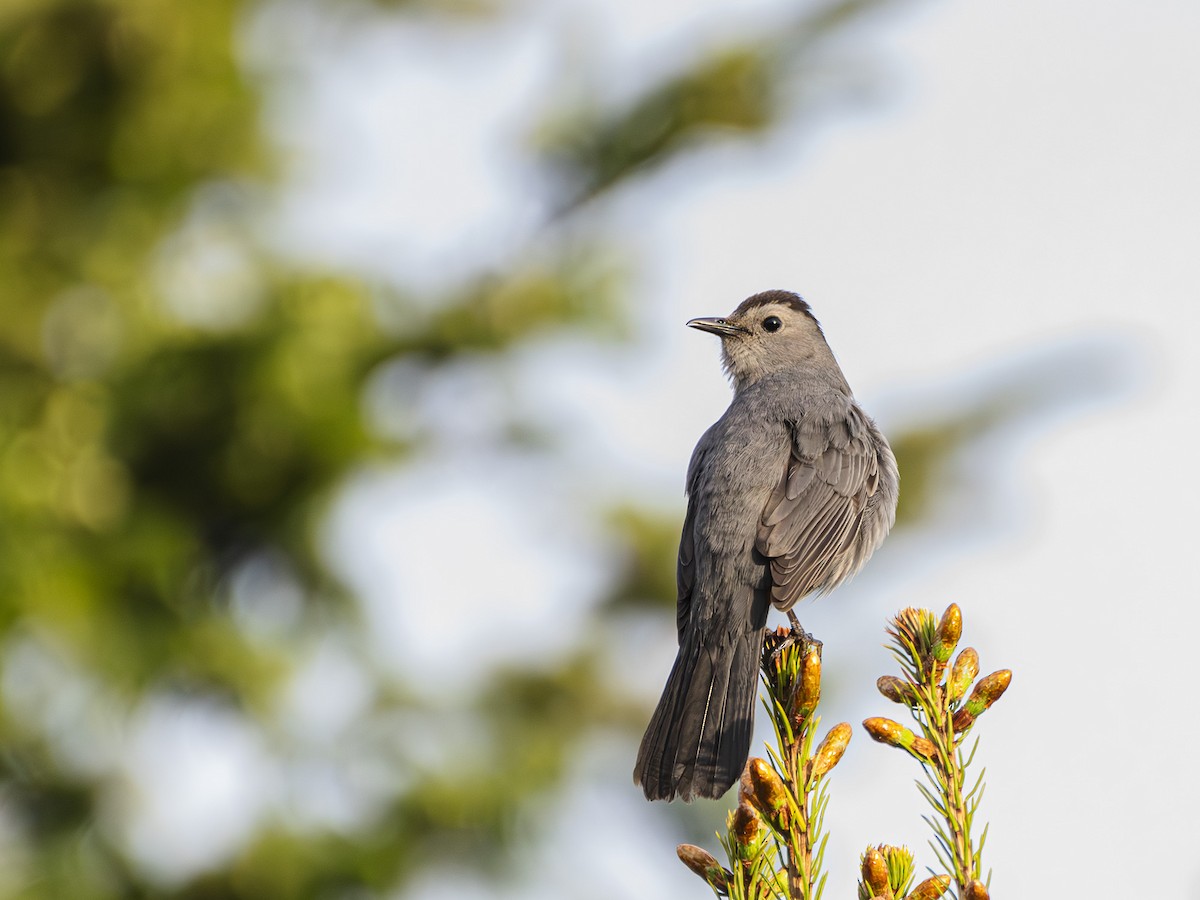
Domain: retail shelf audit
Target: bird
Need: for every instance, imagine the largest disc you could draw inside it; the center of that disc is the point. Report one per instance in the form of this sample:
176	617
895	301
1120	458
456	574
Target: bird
789	493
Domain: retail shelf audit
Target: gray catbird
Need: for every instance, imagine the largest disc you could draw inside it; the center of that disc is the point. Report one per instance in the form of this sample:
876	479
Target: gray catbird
788	494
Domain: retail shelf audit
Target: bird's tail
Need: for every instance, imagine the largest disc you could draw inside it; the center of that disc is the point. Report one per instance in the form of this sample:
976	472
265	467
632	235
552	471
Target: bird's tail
699	737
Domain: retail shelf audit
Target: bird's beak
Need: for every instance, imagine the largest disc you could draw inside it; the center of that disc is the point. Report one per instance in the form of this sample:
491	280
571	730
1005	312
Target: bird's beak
719	327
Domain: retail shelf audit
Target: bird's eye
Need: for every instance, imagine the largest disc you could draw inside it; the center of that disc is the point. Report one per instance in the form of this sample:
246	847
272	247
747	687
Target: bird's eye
772	323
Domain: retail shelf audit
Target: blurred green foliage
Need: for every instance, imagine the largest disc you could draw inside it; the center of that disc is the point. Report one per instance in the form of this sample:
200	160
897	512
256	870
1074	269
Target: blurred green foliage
731	91
145	456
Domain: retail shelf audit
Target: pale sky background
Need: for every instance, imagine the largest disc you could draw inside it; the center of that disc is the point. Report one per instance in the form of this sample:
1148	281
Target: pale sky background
1017	184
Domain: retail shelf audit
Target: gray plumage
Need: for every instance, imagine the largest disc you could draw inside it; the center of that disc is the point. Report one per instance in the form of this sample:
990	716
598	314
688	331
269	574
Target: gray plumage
789	493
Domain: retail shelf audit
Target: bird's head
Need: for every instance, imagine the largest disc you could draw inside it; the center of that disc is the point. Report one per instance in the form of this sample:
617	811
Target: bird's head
771	332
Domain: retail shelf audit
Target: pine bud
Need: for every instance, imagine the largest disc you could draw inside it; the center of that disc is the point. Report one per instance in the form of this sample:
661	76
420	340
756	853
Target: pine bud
829	753
705	865
888	732
930	888
897	690
922	748
949	630
762	788
987	691
991	688
966	667
885	730
875	874
976	890
808	689
913	628
745	825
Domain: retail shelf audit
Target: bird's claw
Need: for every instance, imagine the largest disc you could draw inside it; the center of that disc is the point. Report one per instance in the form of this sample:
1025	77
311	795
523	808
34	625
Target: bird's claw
796	635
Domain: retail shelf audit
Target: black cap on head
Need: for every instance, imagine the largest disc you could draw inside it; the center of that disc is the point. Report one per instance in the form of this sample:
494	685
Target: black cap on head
777	297
781	298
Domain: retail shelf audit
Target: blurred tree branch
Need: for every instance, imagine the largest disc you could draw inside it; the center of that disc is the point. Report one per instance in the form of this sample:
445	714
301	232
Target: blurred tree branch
741	89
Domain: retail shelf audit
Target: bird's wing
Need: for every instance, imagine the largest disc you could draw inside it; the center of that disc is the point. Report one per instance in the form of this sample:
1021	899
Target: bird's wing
815	512
685	570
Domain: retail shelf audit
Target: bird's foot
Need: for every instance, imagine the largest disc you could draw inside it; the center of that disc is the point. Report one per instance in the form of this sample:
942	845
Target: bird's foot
795	635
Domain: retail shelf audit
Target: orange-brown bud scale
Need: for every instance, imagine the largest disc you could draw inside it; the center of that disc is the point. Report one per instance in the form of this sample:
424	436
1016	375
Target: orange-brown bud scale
992	687
875	873
930	888
885	730
949	630
888	732
763	789
922	747
829	753
705	865
976	890
745	824
808	689
966	667
986	692
897	690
